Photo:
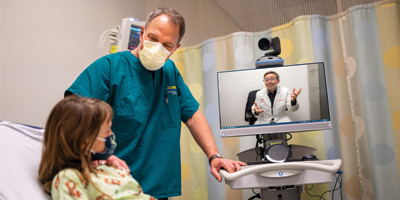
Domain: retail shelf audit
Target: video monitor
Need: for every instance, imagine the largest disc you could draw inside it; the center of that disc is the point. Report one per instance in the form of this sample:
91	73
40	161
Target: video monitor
237	91
129	34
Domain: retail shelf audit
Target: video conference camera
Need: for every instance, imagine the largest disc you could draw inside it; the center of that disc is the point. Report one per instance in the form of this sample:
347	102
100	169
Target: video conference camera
271	58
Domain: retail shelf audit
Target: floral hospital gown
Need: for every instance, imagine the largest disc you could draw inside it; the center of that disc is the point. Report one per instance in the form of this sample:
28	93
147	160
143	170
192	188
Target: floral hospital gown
69	184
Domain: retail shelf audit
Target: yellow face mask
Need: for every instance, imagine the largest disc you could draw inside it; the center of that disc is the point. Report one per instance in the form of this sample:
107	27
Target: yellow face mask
153	55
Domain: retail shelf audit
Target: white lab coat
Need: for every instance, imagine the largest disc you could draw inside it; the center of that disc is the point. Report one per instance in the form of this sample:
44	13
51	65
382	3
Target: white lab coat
281	102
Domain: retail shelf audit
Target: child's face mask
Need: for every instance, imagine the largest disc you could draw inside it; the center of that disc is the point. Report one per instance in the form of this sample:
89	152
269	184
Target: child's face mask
110	147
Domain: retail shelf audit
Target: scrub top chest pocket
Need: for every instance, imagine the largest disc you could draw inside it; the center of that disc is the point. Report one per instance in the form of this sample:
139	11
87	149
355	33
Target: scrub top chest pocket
172	110
131	111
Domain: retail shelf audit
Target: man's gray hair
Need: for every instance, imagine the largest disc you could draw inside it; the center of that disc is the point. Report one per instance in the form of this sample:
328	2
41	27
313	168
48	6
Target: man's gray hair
272	72
173	15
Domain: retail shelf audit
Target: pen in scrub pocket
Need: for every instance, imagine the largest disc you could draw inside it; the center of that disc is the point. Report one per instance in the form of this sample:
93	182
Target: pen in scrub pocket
166	98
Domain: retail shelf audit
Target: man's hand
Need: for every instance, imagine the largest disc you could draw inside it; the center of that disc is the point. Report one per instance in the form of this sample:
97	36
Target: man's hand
112	161
201	132
229	165
295	94
257	109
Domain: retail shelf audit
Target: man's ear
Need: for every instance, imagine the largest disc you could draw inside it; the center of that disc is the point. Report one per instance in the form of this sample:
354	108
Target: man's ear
141	33
136	50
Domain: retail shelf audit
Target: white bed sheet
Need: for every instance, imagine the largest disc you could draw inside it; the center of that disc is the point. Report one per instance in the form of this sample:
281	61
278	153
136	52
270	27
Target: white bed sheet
20	153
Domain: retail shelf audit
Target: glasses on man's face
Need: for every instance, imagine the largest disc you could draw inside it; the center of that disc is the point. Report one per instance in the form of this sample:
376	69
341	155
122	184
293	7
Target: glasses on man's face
271	79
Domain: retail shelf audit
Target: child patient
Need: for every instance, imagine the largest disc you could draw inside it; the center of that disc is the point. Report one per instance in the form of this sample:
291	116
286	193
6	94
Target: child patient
77	132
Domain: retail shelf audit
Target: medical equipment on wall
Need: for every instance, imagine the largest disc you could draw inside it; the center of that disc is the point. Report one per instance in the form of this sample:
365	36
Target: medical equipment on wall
124	37
279	170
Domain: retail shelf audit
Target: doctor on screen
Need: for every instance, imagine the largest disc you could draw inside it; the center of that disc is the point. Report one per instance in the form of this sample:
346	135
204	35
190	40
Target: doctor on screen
273	101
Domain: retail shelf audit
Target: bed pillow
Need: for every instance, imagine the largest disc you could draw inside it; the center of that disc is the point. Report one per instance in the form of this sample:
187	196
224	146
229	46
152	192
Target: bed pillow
20	153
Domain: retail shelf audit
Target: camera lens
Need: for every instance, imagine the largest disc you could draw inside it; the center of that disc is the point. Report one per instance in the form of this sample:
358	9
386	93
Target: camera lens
264	44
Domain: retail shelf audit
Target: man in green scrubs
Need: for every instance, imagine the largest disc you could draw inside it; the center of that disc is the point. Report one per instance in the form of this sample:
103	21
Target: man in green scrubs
150	100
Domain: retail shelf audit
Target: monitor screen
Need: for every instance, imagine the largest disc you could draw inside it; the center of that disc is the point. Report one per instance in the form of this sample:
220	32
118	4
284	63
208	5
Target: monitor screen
239	89
134	37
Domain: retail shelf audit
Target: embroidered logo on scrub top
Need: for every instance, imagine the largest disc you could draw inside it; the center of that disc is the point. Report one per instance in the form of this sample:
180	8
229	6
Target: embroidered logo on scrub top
171	89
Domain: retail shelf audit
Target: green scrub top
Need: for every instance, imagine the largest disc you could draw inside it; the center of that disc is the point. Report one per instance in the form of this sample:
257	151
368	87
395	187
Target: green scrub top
147	116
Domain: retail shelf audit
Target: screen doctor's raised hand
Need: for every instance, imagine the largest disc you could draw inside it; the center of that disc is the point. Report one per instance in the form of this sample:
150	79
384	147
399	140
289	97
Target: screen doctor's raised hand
150	100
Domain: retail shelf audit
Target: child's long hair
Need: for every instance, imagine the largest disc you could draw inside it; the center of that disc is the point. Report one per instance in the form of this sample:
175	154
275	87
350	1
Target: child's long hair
71	129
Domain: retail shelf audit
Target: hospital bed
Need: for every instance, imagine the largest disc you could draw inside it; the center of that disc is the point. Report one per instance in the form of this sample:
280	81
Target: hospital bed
20	153
21	148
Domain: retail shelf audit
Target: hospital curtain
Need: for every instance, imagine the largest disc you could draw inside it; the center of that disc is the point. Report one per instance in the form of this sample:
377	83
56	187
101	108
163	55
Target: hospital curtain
361	51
